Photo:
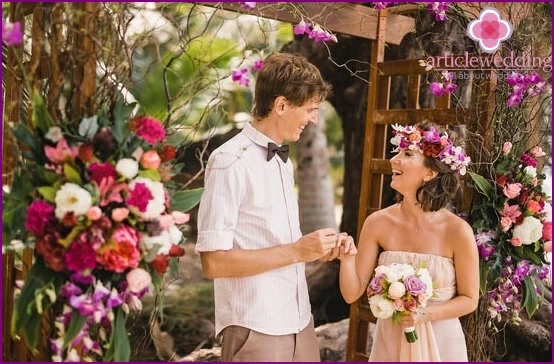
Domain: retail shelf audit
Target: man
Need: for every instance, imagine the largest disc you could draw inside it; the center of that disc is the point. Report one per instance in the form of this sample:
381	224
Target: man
249	235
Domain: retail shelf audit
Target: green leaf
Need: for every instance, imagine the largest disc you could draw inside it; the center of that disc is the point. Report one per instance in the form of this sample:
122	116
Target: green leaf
150	174
483	186
530	297
174	267
122	347
185	200
26	319
41	117
25	136
75	327
72	174
49	193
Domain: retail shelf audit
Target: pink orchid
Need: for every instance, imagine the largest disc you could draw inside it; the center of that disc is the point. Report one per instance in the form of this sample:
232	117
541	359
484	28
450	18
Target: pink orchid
61	153
240	77
510	212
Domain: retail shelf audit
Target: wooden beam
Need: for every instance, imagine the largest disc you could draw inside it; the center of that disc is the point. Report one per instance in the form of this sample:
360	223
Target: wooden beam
346	18
414	116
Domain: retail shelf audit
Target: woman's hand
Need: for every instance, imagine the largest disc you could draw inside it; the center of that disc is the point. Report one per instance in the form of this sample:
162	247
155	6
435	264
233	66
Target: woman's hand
347	248
411	319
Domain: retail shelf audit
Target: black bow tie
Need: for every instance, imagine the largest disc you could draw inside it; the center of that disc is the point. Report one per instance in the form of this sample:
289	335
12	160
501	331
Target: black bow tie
283	151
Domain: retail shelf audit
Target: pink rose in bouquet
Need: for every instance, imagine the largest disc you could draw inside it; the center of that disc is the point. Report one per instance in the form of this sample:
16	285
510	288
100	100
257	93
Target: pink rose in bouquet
397	289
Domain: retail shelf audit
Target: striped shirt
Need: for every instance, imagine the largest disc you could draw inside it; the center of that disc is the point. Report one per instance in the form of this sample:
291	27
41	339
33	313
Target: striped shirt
250	203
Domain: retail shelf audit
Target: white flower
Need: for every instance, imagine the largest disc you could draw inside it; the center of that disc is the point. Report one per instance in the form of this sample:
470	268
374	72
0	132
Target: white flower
397	290
175	235
423	274
381	270
155	206
160	242
72	198
54	134
127	167
396	272
531	171
89	127
381	307
529	231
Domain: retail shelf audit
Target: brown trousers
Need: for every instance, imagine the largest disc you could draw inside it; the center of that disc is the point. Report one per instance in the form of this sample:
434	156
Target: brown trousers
245	345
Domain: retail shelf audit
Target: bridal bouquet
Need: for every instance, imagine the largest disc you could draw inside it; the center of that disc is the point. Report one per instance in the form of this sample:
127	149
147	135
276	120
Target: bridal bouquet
96	202
398	289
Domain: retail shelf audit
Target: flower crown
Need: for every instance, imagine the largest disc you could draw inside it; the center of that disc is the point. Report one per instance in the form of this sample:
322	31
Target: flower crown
432	144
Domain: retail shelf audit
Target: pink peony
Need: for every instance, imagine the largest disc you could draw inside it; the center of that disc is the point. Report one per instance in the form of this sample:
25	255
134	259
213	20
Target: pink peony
125	233
140	196
80	256
547	230
150	160
512	190
39	215
137	280
151	130
121	252
99	171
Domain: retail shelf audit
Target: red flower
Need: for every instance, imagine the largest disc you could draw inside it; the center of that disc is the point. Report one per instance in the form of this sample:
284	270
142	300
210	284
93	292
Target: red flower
86	152
167	153
52	252
501	180
176	251
160	263
80	255
431	149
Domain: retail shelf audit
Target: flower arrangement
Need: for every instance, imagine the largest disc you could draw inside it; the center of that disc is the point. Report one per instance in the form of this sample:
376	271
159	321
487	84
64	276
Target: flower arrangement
432	144
397	289
97	202
513	235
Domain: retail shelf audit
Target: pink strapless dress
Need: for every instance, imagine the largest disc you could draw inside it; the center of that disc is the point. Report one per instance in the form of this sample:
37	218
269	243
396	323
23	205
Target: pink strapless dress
441	340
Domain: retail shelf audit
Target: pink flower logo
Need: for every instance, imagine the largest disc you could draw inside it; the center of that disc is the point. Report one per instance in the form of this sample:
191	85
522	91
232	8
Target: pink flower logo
489	30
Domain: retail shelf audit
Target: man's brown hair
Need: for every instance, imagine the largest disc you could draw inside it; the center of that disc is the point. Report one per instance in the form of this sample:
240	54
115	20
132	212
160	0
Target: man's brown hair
290	76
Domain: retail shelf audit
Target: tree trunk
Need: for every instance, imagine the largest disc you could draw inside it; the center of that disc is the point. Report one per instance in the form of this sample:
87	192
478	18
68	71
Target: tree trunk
315	187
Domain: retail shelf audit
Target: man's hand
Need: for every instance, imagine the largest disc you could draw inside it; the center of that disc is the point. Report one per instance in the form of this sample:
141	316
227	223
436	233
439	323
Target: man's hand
343	248
315	245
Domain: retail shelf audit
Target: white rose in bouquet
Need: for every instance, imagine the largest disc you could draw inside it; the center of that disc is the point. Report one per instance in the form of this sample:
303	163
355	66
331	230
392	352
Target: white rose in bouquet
397	272
381	307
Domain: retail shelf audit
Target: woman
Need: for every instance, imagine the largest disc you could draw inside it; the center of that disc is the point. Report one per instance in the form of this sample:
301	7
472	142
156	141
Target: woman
419	229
